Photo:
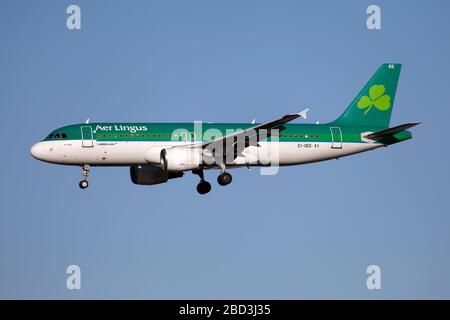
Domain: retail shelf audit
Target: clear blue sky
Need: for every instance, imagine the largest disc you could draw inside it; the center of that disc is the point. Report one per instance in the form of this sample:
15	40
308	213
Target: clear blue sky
308	232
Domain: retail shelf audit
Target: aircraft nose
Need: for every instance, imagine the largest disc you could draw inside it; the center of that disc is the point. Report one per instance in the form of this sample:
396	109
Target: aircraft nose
37	151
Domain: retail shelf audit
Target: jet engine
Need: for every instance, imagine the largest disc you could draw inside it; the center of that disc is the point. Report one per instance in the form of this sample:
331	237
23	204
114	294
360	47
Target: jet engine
148	175
181	159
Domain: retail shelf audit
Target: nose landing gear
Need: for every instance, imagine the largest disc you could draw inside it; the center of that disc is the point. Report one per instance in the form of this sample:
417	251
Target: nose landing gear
83	184
85	172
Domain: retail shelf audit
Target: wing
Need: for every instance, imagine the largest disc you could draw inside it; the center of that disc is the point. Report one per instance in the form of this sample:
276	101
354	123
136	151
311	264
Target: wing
232	145
248	137
277	123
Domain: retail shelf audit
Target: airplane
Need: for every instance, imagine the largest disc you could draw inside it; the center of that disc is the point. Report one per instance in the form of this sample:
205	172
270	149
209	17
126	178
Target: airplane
158	152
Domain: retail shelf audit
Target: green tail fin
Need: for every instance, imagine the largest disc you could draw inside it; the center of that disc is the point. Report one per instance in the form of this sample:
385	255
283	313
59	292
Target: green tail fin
373	105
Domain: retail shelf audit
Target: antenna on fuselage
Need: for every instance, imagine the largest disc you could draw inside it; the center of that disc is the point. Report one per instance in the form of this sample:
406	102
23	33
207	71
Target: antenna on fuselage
253	121
87	121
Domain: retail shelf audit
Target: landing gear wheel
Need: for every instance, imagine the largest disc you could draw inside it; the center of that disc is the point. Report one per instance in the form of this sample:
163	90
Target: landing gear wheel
85	172
203	187
83	184
224	179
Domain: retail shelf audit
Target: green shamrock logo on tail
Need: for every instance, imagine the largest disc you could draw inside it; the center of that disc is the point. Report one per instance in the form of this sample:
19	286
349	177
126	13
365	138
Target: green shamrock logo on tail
375	98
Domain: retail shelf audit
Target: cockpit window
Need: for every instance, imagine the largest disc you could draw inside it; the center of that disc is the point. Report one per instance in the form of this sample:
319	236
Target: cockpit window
57	136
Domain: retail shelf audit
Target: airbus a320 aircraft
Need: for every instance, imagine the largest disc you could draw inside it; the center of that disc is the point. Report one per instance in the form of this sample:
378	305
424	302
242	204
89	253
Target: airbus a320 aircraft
158	152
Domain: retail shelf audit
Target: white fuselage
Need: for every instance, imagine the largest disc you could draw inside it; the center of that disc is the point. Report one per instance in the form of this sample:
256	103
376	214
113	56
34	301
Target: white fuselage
129	153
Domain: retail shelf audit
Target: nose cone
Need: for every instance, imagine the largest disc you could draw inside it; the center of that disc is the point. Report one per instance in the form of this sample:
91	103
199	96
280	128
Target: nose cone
37	151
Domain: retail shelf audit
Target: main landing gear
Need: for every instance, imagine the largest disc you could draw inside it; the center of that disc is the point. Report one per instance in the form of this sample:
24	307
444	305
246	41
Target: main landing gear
224	179
204	186
85	171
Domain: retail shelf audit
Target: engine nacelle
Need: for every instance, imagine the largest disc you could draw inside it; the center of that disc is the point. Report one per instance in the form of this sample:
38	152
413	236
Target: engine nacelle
153	154
148	175
181	159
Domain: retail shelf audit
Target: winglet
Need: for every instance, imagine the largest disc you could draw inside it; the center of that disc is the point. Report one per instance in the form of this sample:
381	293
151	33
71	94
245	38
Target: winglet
303	113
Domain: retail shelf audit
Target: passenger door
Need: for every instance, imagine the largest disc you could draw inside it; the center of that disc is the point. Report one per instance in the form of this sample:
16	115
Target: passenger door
87	139
336	137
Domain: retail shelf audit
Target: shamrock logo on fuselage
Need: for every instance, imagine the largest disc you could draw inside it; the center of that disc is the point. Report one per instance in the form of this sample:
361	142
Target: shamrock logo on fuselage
375	98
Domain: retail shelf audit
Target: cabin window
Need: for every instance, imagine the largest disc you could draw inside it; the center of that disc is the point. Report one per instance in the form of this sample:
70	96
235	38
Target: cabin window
99	136
121	136
137	135
126	136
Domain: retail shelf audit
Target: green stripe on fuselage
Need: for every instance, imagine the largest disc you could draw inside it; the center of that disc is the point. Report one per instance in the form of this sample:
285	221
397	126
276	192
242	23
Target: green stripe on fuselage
210	131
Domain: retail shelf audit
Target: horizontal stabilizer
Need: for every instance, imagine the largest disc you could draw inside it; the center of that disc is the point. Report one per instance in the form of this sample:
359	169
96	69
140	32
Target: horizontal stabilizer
390	131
